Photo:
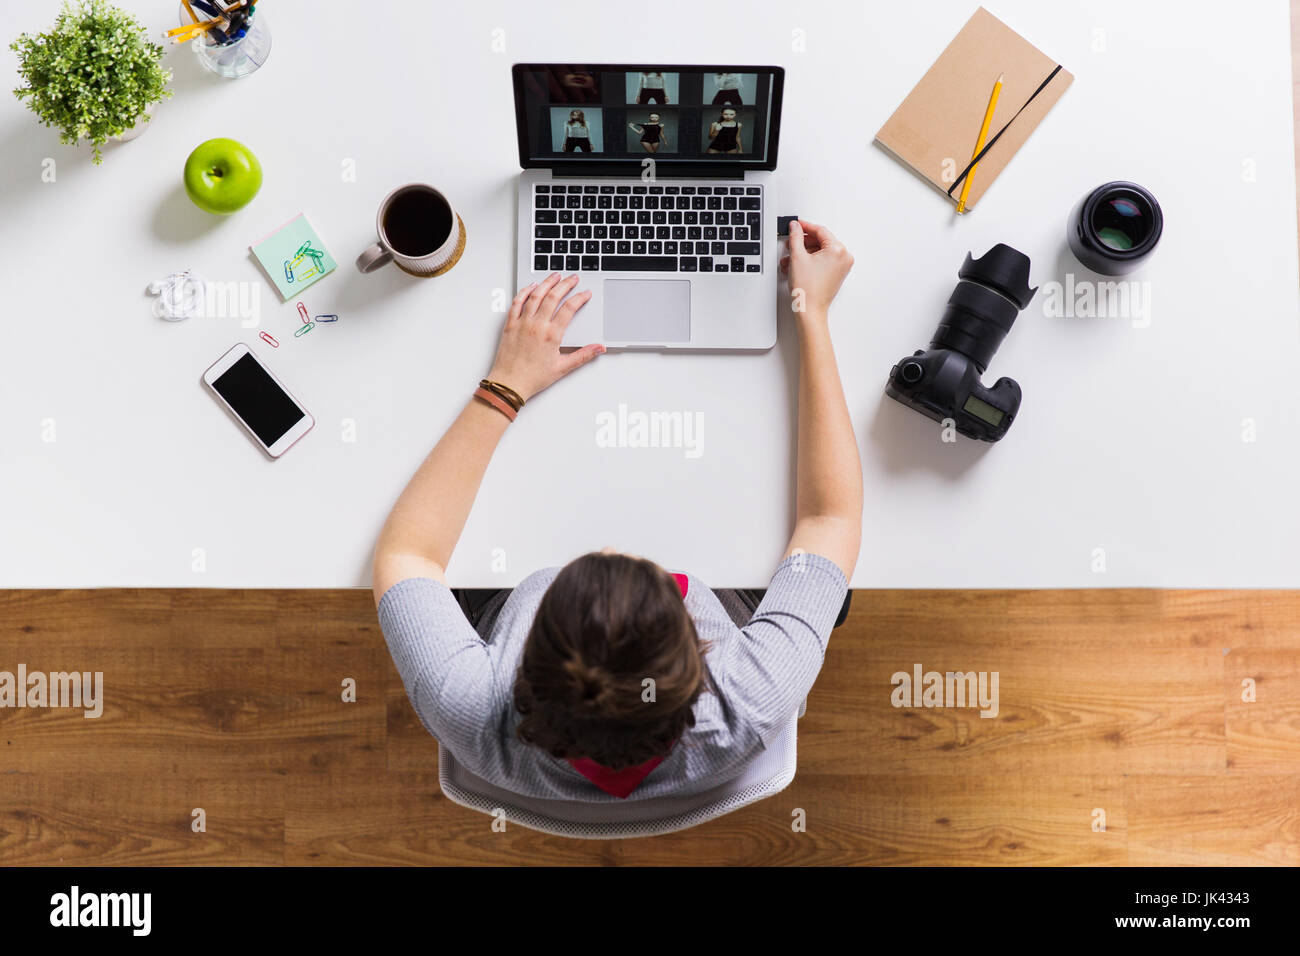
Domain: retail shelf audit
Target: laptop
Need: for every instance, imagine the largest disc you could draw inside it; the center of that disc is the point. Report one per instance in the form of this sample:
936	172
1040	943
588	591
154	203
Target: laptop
654	184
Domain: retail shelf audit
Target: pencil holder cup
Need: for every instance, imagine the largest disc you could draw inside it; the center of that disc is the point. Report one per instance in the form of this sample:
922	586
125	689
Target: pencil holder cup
233	58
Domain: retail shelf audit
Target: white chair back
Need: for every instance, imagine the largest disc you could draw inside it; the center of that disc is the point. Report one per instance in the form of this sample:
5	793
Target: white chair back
769	773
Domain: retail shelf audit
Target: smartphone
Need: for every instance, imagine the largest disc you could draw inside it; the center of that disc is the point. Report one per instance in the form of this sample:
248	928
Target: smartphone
258	401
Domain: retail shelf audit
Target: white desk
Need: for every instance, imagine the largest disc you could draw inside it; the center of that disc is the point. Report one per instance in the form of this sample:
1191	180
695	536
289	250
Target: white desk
1129	439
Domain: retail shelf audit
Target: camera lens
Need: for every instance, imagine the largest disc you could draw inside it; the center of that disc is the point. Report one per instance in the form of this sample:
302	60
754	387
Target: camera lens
975	322
1121	223
1114	228
992	291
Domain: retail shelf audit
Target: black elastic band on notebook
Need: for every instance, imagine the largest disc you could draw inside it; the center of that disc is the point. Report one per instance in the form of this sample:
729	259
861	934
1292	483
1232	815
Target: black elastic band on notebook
989	145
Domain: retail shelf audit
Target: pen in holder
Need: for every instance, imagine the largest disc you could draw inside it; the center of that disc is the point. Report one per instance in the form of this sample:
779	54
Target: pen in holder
238	42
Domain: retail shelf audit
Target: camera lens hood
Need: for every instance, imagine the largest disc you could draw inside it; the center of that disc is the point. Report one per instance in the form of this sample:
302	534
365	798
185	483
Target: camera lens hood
1001	268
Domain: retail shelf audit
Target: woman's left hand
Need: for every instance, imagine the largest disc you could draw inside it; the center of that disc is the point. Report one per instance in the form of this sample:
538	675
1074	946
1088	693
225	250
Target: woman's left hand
529	357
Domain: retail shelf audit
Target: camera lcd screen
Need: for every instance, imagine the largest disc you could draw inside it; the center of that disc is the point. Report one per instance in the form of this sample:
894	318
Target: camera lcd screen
671	114
258	400
983	411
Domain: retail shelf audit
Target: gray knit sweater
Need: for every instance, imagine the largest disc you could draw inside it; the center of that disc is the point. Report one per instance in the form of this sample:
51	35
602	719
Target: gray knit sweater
461	682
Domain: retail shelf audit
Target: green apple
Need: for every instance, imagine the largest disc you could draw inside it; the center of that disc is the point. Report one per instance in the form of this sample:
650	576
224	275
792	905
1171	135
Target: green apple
222	175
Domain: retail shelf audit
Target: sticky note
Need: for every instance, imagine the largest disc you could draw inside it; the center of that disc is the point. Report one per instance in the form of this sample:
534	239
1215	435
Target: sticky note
293	257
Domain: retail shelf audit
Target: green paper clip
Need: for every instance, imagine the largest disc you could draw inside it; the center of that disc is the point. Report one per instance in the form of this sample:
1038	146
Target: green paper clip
304	330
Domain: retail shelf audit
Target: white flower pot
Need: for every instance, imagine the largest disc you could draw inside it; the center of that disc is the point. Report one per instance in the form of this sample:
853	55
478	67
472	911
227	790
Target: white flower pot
140	126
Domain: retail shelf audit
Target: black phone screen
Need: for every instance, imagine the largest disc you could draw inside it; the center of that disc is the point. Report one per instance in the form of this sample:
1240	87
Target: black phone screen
256	398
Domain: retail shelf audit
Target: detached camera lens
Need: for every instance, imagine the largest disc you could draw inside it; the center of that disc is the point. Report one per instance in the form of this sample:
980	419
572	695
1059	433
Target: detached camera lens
1121	223
1114	228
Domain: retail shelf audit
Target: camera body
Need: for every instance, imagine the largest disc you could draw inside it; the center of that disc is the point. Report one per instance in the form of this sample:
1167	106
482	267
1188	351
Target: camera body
944	382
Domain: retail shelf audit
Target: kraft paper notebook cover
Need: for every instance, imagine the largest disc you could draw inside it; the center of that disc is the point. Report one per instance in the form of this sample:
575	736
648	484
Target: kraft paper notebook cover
935	129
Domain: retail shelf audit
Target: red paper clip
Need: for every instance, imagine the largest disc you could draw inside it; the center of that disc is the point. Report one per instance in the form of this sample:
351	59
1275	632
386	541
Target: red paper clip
269	339
302	310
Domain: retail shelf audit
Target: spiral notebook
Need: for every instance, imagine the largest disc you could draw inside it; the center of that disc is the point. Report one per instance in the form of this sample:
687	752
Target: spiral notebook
936	128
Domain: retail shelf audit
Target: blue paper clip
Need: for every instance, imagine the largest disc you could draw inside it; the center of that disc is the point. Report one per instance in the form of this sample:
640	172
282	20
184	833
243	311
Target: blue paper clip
288	271
304	330
326	318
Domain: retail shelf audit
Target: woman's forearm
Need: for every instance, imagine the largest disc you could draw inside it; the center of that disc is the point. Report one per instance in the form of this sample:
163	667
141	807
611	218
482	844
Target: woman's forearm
422	530
829	471
431	512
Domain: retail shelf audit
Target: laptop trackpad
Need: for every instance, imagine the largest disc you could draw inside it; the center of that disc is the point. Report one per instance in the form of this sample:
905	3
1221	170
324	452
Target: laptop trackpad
647	310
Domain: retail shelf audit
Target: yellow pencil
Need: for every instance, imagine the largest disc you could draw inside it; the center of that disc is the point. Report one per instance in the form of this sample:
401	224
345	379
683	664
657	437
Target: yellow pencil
191	28
979	144
195	30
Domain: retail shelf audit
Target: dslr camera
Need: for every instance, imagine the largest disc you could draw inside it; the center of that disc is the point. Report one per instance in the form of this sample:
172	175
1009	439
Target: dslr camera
943	382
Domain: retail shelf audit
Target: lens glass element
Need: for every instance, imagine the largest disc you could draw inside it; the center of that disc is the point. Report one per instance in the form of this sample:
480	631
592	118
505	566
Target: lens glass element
1122	222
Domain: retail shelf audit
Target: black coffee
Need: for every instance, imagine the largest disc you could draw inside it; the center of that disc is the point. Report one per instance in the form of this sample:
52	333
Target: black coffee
417	222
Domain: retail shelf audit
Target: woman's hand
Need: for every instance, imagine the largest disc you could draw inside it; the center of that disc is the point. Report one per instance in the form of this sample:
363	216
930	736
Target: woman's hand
817	264
529	357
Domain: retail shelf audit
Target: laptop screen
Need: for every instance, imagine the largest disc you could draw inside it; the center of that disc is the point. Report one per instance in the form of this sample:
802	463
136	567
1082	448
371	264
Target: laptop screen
624	114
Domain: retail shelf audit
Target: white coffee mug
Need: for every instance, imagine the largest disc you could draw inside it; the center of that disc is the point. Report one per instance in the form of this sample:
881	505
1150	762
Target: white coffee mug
419	231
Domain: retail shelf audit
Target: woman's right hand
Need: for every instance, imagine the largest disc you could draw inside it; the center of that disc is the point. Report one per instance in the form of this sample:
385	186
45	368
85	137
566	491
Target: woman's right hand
817	265
529	357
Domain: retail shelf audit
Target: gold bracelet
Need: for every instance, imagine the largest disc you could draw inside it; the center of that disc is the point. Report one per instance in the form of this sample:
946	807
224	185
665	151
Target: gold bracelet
506	392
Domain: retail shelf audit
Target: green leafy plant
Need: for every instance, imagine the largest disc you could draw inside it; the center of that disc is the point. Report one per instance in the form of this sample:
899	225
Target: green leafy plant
93	76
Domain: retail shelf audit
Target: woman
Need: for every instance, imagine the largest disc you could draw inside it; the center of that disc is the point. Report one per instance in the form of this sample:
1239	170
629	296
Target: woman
724	133
610	677
577	138
728	85
650	89
653	134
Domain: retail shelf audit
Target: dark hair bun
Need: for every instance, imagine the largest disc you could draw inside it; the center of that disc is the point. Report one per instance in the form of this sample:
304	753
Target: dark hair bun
605	623
591	685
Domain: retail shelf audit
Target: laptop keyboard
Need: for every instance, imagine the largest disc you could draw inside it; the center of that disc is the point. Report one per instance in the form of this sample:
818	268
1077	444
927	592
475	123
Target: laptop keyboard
685	227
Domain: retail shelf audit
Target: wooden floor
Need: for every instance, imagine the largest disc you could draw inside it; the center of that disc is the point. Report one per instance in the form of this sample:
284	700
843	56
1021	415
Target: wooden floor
1122	703
1127	702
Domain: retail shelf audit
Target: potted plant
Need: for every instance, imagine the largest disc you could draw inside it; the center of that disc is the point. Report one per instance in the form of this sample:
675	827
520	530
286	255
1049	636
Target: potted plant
94	76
